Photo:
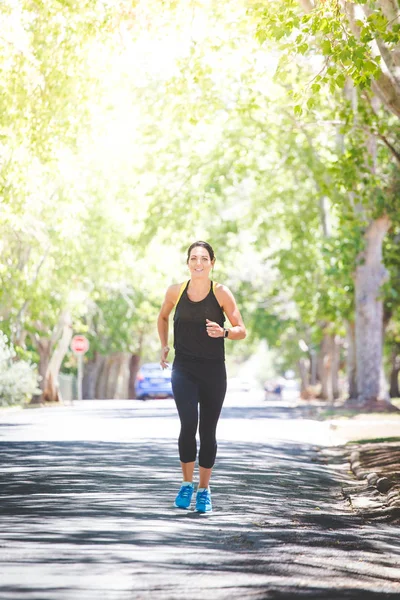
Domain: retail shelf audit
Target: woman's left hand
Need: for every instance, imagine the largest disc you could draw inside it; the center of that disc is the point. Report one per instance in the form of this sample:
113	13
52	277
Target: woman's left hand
214	330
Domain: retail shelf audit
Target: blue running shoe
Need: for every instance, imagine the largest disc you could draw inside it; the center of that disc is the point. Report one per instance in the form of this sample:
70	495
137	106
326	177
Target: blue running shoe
203	501
184	496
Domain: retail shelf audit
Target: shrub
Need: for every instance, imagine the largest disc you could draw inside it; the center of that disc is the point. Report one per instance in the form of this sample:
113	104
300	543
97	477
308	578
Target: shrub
18	379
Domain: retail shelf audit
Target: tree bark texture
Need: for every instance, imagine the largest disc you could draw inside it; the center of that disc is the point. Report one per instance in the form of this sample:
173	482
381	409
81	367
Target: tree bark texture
134	364
313	367
51	387
113	378
91	373
122	378
394	390
43	346
304	369
383	386
351	359
369	278
328	367
324	367
335	366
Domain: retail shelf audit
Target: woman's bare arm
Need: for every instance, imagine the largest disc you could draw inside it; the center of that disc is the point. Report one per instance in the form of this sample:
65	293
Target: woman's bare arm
168	304
229	306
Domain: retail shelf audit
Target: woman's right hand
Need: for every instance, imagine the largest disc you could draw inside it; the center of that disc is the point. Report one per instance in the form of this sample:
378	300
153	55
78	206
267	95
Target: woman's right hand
164	353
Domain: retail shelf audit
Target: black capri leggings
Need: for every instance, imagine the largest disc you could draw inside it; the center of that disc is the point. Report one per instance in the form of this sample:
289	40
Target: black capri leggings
198	383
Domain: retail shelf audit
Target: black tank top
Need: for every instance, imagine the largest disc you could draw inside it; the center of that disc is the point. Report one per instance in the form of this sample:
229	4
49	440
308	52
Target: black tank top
190	335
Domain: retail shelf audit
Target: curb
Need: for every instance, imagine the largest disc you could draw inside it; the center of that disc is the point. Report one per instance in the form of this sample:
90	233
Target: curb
382	484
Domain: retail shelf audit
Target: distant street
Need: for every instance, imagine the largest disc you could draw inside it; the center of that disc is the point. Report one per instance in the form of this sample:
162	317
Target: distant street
86	508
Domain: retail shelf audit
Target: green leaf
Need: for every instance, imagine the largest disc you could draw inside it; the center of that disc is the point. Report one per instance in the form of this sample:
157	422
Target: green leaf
326	47
311	103
261	35
340	80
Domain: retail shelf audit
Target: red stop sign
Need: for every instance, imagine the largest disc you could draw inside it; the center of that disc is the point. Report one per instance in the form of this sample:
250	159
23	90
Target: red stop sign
79	344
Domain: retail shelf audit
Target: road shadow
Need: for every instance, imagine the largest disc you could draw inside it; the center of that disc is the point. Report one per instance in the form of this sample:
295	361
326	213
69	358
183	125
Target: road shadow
280	526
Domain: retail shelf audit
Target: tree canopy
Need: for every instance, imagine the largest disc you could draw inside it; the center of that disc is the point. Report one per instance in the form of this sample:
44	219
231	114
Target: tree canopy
269	128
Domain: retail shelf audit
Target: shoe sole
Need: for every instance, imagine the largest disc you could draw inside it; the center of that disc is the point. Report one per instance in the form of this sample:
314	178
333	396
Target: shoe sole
182	507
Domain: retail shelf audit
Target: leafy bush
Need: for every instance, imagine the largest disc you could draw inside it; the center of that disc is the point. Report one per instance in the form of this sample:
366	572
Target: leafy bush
18	379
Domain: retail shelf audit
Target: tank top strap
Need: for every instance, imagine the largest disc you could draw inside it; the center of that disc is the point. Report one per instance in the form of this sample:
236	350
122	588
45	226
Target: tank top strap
183	287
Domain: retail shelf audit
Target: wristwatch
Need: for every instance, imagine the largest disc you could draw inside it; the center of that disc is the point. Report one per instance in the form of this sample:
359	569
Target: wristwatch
226	332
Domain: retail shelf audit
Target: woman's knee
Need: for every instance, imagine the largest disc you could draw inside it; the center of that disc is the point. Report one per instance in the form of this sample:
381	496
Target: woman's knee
207	455
187	448
187	434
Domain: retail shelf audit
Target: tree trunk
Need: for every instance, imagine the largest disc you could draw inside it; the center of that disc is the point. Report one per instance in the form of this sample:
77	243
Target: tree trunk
122	378
111	371
303	365
313	367
394	374
102	379
324	367
383	385
113	379
92	369
335	346
51	387
369	278
351	361
134	364
43	346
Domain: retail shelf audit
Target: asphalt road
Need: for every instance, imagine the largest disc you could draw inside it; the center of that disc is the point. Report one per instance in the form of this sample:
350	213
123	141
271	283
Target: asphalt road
86	509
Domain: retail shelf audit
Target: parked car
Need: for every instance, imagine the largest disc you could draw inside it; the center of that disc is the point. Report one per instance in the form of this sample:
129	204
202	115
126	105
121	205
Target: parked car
153	382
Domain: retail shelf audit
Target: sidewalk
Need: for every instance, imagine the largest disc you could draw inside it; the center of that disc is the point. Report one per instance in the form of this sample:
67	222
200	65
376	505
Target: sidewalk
375	494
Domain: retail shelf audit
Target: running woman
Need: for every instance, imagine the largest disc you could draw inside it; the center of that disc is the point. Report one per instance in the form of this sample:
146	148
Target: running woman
198	371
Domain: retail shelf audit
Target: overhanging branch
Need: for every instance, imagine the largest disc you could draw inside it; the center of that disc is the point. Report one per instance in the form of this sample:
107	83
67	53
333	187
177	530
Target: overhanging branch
307	5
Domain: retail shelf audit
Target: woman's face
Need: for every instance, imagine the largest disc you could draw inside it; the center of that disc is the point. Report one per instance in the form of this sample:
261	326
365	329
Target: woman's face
199	262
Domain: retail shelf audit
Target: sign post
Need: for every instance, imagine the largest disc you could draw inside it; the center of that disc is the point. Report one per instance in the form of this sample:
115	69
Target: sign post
79	346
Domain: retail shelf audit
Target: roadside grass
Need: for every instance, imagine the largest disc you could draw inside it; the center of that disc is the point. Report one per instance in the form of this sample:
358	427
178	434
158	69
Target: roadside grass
337	413
341	411
374	441
28	404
